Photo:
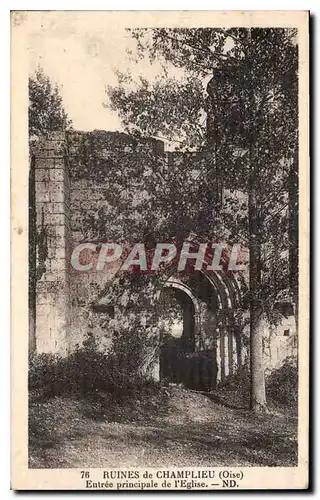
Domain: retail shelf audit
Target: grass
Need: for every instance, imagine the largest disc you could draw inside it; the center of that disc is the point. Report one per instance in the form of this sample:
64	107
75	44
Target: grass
175	427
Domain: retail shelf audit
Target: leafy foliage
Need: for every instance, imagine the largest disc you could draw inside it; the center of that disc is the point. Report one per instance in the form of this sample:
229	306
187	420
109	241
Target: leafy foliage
46	112
167	108
282	384
281	387
147	194
87	370
251	132
251	108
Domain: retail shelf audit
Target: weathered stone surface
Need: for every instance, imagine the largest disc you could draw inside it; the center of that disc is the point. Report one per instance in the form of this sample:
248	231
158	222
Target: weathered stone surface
75	176
52	298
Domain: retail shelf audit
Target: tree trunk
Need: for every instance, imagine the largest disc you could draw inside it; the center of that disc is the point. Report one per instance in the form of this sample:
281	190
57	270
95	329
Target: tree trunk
258	392
258	400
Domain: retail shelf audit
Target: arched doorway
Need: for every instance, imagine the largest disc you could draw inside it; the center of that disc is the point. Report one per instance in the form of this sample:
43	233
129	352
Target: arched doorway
181	359
177	334
208	349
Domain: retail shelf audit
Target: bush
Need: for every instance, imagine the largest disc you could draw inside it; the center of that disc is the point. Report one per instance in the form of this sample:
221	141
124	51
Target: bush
235	390
46	373
281	387
282	384
86	371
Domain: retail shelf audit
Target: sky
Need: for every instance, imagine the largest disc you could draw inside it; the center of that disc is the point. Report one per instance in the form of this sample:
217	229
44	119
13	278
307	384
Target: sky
82	60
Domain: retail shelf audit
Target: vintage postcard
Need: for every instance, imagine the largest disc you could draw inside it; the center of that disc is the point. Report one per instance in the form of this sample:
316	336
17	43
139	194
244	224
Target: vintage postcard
160	250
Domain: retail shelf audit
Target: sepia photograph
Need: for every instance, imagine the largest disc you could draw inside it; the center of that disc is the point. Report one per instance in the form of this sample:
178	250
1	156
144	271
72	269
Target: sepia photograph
165	171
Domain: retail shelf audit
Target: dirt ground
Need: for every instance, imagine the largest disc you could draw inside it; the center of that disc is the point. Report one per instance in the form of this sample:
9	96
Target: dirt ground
179	429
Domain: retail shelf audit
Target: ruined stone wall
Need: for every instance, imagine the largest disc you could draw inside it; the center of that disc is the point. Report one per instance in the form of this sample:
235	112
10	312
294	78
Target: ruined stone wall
80	191
97	165
79	194
53	238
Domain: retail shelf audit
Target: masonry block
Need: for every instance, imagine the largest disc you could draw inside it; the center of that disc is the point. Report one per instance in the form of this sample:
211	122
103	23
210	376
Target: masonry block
53	241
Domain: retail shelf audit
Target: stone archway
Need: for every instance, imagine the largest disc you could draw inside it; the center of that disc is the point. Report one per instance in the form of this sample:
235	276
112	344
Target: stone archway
178	340
214	300
182	360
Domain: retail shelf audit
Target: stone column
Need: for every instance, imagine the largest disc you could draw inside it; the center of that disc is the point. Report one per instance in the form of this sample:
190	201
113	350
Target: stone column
216	346
222	355
231	350
52	194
